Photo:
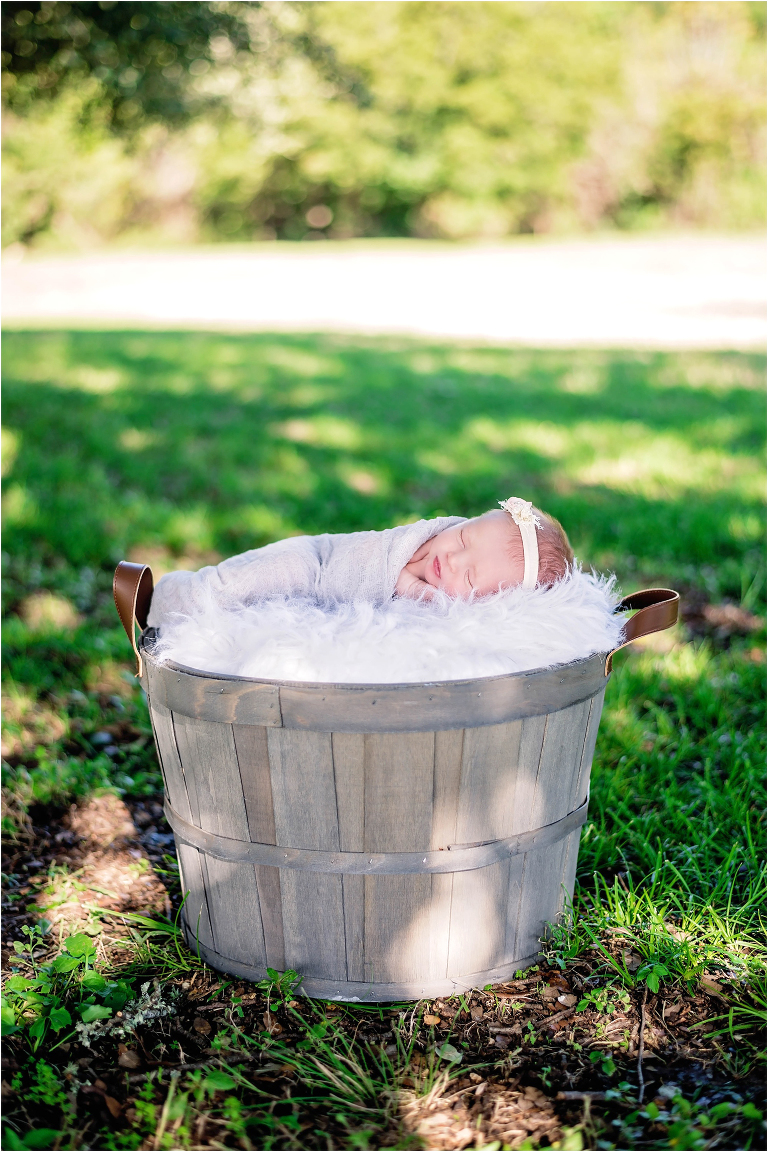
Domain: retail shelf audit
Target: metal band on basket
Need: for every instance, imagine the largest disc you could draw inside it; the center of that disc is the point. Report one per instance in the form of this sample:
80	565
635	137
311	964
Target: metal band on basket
458	858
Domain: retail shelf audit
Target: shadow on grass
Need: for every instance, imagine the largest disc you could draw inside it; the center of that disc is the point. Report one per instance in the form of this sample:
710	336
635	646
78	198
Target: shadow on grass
201	443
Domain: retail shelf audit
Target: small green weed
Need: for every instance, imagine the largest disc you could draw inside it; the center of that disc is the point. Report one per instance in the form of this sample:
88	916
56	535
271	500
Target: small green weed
42	1139
609	999
282	985
690	1124
41	998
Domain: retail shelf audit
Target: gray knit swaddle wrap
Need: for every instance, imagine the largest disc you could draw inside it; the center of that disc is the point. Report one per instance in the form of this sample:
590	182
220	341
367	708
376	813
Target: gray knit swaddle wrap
332	567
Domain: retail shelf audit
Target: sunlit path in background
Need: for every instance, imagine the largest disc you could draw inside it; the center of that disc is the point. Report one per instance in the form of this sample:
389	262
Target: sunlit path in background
661	292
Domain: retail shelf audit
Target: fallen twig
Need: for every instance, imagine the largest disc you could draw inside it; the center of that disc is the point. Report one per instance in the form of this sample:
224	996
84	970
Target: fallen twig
515	1029
243	1058
671	1034
558	1016
640	1049
580	1096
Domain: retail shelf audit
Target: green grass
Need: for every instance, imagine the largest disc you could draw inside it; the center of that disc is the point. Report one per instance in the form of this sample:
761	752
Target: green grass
177	446
200	442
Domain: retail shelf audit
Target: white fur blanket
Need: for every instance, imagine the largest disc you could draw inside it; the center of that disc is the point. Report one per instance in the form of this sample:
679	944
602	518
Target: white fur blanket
402	641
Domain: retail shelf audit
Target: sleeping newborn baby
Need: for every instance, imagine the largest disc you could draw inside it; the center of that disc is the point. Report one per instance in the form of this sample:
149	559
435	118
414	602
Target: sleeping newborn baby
517	544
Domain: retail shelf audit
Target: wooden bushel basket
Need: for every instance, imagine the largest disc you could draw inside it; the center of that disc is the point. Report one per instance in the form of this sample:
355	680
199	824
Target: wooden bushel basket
387	842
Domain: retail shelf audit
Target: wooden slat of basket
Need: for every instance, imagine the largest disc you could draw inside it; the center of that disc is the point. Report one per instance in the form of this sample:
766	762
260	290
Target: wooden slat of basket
489	770
252	751
441	903
399	775
173	773
303	789
542	895
397	924
449	749
559	764
196	904
514	909
348	751
235	910
313	923
478	918
582	784
304	797
399	784
209	758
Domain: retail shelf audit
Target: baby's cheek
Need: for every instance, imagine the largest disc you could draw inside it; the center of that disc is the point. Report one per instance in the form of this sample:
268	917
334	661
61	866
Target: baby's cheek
458	589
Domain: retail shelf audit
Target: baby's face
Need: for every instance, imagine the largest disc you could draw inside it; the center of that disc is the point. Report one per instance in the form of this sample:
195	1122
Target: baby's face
473	556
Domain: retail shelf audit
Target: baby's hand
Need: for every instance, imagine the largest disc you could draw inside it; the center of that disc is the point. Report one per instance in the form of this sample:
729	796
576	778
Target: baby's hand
410	586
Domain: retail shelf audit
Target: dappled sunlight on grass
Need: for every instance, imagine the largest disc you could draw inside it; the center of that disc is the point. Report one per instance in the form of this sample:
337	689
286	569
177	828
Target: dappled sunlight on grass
295	360
10	448
19	507
687	665
213	443
28	723
363	480
662	466
137	440
325	431
677	778
46	612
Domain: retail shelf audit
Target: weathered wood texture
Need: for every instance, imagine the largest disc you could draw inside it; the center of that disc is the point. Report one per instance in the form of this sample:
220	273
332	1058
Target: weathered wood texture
372	708
375	791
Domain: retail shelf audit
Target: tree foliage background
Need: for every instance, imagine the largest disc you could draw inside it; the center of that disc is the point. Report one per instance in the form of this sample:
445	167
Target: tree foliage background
195	121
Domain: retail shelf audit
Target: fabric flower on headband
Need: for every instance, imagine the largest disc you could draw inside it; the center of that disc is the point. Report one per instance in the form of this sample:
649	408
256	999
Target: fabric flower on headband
521	511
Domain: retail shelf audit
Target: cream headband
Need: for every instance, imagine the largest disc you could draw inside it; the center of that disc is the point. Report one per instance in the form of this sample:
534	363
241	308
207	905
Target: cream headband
521	512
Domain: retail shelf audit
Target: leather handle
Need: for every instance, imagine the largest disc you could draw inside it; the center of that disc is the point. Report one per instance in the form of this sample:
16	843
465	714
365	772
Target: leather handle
132	589
657	610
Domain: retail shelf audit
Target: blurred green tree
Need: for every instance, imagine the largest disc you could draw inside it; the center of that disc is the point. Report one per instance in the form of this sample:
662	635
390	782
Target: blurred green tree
142	54
224	120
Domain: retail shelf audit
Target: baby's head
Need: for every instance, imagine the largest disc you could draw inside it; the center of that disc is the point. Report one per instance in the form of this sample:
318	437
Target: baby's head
488	552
